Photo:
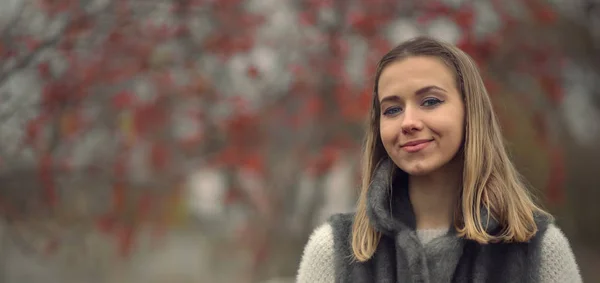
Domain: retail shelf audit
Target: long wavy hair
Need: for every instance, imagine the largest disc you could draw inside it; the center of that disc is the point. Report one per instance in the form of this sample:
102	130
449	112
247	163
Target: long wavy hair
490	180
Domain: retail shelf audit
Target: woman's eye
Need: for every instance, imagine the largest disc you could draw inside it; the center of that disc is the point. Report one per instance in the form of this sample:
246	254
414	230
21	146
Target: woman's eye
431	102
392	111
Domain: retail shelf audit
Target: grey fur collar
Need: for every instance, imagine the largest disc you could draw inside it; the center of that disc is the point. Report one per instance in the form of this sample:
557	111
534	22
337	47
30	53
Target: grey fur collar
388	205
401	257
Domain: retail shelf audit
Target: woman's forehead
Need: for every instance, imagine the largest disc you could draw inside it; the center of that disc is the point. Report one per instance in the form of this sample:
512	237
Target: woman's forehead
412	73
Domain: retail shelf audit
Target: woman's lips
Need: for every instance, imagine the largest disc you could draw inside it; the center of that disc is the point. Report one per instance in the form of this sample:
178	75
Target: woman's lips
415	146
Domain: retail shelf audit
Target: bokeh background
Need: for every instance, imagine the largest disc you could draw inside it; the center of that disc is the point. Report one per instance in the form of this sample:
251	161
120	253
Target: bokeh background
203	140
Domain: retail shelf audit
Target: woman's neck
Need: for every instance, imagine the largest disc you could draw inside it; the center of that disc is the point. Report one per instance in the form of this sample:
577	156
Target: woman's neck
434	196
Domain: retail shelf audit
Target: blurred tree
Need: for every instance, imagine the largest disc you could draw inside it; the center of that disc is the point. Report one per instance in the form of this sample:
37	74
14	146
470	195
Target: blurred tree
108	107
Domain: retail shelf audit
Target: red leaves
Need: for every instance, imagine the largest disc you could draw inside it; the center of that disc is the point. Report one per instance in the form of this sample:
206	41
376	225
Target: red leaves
324	161
246	158
89	74
118	197
115	224
123	11
465	17
364	103
120	168
489	46
122	70
44	70
70	123
243	130
379	47
432	10
474	48
106	224
148	118
198	86
339	46
226	4
310	110
145	205
180	31
226	157
6	51
164	32
163	81
232	196
125	238
123	232
115	37
227	45
317	4
53	7
143	120
314	105
253	72
261	254
192	139
354	106
124	100
159	157
364	23
56	95
32	130
437	8
308	18
78	26
552	87
254	162
31	44
542	12
505	16
250	20
236	32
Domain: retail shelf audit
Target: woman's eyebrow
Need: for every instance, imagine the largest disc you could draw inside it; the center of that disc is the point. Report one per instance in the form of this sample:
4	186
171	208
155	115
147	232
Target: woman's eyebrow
420	91
427	89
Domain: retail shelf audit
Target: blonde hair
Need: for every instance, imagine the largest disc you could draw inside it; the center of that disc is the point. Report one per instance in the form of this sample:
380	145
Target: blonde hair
490	179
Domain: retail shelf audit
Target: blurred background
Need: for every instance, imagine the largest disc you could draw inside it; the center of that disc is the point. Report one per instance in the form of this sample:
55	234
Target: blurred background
203	140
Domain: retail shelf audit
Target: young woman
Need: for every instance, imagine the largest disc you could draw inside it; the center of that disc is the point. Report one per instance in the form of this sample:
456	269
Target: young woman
440	199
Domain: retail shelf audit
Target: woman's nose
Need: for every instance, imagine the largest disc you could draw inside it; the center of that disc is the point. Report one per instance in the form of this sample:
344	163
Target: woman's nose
411	121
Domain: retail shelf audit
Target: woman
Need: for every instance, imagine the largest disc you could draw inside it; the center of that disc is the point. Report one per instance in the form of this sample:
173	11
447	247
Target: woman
440	199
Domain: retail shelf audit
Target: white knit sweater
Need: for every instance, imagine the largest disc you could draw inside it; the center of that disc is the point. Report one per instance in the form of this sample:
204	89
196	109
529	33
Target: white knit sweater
558	263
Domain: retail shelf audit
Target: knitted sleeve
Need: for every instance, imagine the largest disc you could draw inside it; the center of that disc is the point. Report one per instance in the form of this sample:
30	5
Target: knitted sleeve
317	263
558	263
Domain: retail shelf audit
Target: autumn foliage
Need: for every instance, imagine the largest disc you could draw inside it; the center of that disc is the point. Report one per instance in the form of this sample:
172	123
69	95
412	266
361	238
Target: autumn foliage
138	94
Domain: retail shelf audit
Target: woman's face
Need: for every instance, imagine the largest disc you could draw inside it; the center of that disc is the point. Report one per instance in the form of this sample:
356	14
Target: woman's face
422	114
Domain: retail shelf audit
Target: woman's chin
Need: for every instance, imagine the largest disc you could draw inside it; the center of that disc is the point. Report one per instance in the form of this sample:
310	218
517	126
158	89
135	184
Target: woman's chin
418	172
416	169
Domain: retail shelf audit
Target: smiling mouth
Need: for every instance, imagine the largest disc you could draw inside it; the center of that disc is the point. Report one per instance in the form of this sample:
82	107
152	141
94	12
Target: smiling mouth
415	146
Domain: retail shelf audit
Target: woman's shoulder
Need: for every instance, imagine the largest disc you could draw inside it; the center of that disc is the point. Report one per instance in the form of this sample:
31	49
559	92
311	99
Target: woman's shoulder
557	261
554	239
318	258
317	263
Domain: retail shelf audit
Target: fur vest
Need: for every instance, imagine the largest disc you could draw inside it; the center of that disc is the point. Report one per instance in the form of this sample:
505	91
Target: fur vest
400	256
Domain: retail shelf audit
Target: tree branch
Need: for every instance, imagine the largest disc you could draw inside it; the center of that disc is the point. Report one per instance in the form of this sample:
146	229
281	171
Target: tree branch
24	62
13	22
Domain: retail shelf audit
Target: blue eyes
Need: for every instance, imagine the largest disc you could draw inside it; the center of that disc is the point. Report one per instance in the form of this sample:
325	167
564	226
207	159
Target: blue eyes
391	111
427	103
431	102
